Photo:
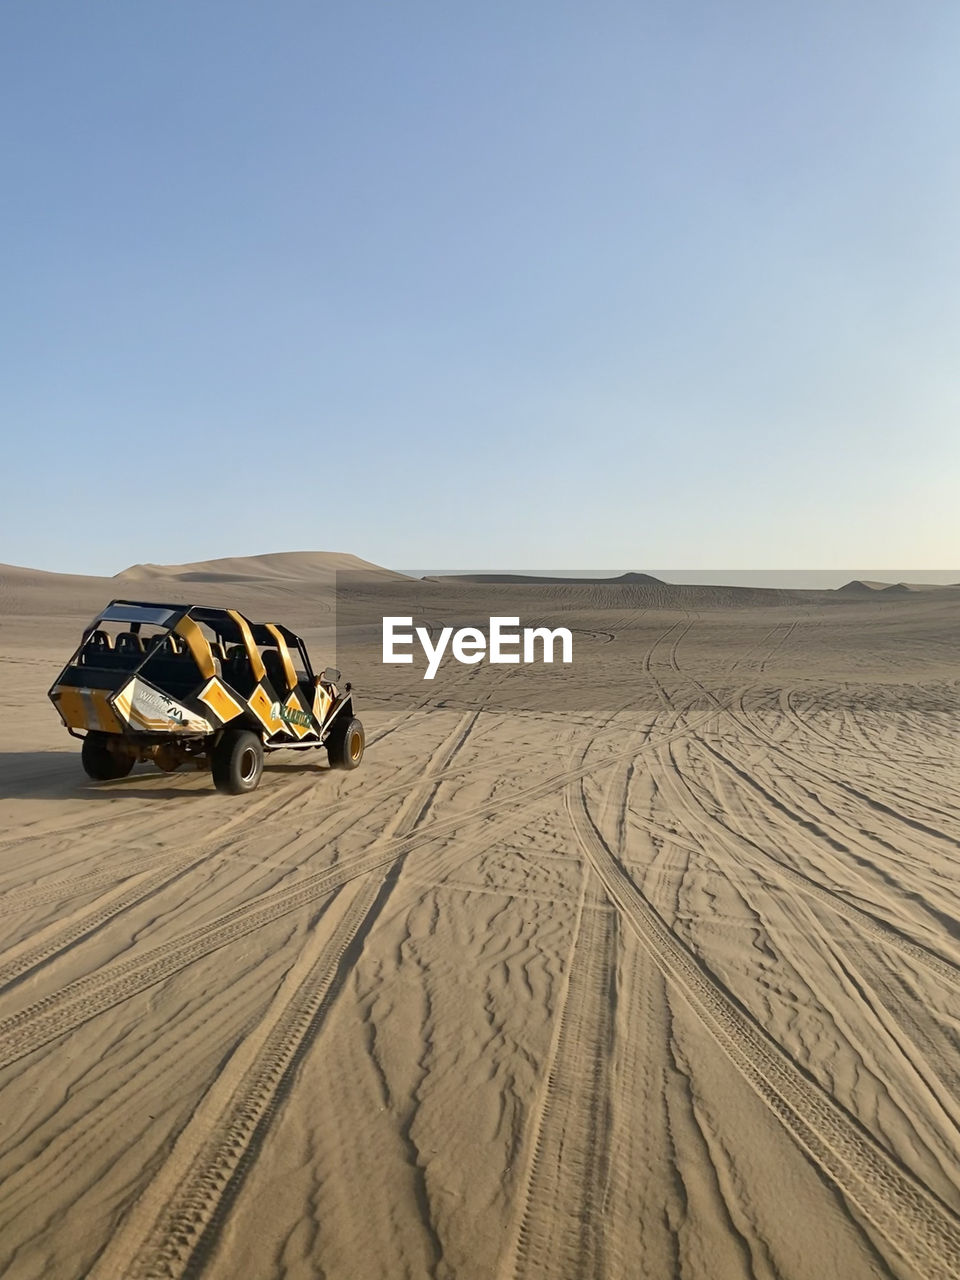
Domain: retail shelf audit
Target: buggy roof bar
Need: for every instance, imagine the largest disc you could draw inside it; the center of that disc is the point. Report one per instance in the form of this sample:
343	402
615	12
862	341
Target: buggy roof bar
228	622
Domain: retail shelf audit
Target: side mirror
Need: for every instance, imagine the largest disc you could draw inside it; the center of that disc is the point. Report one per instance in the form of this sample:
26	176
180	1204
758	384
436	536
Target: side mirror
330	676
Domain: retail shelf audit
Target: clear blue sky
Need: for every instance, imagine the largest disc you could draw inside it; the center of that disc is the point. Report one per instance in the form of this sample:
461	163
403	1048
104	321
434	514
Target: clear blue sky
615	284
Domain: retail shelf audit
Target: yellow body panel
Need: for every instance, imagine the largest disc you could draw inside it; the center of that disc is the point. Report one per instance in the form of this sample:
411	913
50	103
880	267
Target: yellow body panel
87	709
262	708
215	696
73	708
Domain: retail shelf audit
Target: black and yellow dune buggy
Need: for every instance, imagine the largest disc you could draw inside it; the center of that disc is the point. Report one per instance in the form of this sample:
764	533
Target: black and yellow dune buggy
187	685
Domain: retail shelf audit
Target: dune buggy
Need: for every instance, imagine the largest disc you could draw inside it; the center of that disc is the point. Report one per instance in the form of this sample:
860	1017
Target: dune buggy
207	688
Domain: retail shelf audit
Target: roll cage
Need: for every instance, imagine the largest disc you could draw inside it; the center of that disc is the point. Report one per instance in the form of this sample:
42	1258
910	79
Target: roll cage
265	648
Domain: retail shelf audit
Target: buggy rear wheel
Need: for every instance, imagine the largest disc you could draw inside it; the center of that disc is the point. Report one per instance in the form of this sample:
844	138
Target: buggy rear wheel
237	762
99	762
345	745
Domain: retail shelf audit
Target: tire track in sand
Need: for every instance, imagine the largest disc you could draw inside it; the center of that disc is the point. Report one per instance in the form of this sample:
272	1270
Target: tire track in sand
27	897
913	1222
932	960
766	864
745	722
272	796
60	936
31	953
85	998
62	1011
563	1186
200	1182
559	1227
173	1227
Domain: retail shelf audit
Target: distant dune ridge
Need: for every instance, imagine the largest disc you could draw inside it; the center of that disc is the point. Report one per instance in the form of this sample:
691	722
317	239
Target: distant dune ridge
296	565
298	586
313	566
631	590
863	587
636	579
858	586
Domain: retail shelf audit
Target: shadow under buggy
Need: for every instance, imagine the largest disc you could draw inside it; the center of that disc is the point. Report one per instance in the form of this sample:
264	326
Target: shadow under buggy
188	685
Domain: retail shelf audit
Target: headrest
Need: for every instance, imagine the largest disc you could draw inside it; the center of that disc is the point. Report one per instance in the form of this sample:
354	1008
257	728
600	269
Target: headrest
127	641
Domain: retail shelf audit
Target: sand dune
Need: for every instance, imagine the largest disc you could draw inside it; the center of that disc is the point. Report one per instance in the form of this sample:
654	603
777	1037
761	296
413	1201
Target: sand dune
296	588
858	586
629	591
862	586
303	566
638	579
660	979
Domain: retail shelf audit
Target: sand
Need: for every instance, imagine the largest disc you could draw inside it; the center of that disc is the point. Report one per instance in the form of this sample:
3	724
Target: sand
665	982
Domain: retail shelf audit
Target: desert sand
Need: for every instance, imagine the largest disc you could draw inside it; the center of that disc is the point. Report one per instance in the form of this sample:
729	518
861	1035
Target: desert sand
648	971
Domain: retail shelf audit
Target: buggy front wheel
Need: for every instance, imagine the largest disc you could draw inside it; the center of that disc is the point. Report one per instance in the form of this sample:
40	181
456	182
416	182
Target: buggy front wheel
345	745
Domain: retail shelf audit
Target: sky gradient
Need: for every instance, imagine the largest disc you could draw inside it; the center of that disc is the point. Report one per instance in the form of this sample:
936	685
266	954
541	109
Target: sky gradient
622	284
